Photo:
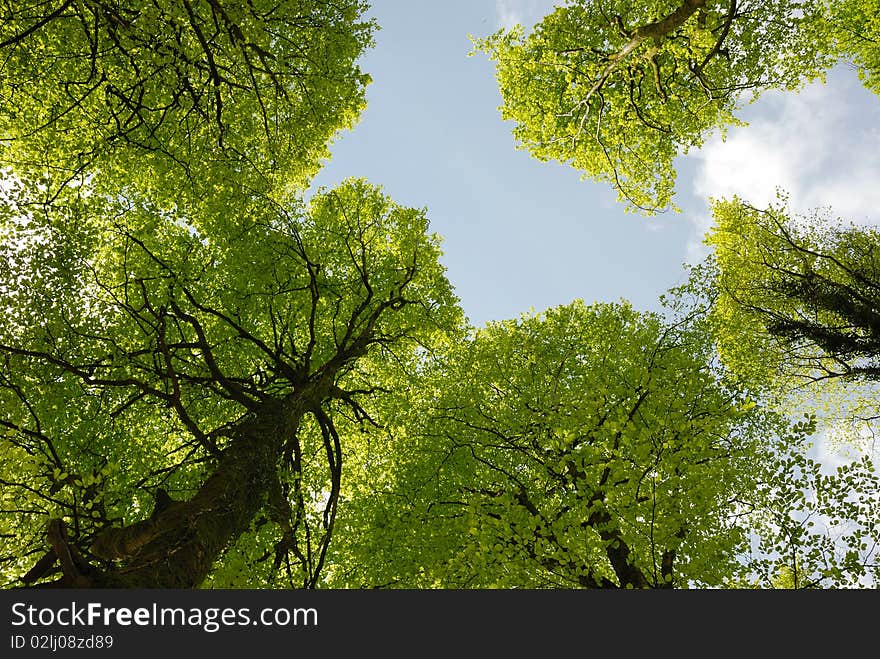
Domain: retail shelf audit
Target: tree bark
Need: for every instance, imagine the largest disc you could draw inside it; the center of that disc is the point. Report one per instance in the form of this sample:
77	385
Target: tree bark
671	22
178	545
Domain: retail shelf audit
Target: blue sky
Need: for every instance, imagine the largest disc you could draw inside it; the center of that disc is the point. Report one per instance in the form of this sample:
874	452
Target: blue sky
521	235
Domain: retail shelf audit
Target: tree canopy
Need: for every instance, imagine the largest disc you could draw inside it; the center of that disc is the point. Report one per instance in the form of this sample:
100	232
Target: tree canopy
194	103
210	377
214	372
619	88
798	293
852	30
598	447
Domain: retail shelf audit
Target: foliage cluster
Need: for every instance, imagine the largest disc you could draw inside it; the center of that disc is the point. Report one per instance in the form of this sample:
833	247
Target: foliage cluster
208	379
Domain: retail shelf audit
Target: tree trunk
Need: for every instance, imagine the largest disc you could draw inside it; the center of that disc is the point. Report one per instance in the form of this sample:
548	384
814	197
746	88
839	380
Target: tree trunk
177	546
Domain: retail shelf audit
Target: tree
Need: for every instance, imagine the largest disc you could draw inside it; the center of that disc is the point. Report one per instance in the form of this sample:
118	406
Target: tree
618	89
796	312
594	447
197	104
796	294
160	393
179	330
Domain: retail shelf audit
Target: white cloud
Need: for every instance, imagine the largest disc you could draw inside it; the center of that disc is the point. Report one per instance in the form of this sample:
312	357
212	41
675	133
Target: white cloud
696	250
525	12
819	146
507	13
